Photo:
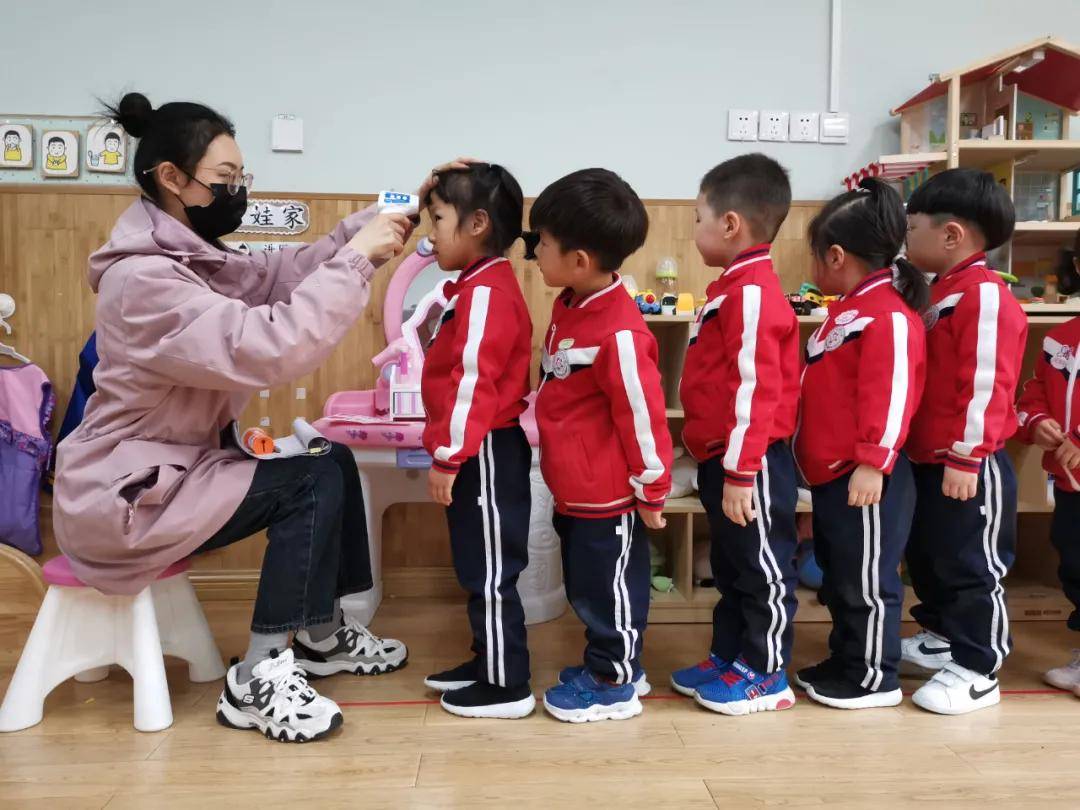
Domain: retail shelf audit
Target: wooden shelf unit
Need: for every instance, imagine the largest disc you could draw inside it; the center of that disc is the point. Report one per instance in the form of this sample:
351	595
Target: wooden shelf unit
1033	592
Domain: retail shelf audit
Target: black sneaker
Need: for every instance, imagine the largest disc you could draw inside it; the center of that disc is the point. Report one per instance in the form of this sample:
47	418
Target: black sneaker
457	678
843	694
831	667
487	700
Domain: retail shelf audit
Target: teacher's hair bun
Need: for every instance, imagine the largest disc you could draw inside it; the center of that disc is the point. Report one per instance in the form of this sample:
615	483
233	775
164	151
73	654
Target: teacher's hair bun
134	113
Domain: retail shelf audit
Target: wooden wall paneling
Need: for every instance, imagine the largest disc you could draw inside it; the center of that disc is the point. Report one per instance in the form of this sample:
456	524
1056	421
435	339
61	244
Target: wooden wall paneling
46	235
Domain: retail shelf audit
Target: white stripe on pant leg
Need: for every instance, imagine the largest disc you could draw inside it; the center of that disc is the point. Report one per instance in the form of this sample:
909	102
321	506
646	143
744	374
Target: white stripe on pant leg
999	631
871	616
628	614
1003	571
496	536
988	530
763	549
781	588
623	673
875	582
489	647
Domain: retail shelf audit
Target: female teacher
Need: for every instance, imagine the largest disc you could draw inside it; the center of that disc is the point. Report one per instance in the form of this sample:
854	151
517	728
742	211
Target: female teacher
187	331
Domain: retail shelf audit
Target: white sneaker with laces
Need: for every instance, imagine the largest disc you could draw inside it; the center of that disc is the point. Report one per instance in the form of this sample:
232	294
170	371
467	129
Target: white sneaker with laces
1066	677
277	701
924	653
957	690
352	648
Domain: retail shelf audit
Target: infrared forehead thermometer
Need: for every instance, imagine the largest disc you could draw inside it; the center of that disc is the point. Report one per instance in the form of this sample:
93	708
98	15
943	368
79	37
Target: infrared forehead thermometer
398	202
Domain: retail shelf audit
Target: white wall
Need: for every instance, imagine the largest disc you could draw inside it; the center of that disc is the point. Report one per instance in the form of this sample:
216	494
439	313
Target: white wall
543	86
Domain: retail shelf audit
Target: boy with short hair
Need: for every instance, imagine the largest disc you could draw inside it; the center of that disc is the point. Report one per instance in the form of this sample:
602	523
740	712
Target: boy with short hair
963	536
605	449
740	392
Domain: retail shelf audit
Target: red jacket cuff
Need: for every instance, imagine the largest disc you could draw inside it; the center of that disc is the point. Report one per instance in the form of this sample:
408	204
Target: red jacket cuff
449	467
651	506
968	464
876	456
739	479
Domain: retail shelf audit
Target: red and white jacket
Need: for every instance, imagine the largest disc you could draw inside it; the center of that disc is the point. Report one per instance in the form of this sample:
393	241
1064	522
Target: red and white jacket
863	378
1053	393
975	334
605	447
740	383
476	370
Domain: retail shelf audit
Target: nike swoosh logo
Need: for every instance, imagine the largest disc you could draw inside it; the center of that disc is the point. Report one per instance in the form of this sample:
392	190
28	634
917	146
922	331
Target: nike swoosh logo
933	650
976	694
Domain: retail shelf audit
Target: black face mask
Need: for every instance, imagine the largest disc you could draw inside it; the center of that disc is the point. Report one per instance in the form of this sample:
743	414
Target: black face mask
223	215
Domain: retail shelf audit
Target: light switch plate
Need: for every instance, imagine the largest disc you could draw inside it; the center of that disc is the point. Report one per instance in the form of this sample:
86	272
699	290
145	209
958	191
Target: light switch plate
835	127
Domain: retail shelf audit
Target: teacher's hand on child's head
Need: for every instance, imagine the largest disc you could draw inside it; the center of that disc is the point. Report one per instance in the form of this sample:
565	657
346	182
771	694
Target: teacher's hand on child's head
959	485
654	520
432	179
383	238
441	486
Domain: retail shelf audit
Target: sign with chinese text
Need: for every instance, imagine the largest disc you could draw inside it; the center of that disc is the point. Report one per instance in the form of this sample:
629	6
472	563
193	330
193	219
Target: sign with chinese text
275	216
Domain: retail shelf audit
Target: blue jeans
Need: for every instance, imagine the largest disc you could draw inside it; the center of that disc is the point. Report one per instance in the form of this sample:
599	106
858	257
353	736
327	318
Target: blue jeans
313	511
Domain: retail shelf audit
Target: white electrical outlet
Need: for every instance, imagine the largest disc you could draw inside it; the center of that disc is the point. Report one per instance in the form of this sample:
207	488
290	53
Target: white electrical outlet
835	127
774	125
804	126
742	125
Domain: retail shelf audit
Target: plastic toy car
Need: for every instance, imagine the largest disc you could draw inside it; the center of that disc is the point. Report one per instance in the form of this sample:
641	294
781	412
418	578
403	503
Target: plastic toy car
648	303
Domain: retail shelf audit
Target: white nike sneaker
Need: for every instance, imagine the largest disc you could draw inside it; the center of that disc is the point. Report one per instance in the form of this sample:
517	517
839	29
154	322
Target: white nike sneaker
278	702
1066	677
352	648
957	690
924	653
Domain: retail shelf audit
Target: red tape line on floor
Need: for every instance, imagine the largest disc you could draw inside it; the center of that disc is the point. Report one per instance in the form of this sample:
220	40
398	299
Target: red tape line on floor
374	704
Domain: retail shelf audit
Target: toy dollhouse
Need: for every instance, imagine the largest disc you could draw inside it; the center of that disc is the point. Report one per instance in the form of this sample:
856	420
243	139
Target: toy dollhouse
1008	114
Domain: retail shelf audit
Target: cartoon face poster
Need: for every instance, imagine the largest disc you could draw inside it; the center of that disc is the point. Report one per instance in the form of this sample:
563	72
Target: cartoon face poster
106	148
18	147
59	153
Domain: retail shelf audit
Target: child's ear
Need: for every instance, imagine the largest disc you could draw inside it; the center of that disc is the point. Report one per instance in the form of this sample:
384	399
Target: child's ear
479	223
834	257
954	233
731	223
582	260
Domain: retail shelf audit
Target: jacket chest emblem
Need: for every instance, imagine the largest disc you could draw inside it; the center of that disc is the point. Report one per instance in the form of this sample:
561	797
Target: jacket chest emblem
846	317
835	338
560	364
1063	359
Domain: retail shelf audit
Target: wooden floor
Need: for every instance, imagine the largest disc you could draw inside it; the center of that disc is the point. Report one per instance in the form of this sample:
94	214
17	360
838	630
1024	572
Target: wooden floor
399	749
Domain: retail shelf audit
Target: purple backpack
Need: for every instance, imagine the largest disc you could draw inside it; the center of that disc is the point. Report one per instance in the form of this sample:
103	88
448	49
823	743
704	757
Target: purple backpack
26	408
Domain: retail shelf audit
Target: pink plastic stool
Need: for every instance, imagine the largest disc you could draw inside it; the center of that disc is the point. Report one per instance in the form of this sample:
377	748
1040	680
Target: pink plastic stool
80	632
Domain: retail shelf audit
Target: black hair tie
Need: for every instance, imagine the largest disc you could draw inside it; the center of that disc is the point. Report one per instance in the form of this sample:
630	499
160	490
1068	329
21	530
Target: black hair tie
531	239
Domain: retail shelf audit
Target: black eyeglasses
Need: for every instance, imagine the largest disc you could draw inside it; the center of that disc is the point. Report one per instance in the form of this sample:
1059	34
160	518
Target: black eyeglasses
233	183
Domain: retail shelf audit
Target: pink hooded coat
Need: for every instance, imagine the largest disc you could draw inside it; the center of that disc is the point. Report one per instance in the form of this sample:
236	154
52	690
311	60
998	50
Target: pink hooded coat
186	333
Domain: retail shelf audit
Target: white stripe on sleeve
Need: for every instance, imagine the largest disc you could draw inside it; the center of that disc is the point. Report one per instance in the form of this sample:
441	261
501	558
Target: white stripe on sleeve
899	391
654	468
470	360
985	369
744	396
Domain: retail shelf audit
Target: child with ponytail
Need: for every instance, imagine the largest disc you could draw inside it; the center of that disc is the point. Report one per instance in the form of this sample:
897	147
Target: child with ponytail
862	381
476	378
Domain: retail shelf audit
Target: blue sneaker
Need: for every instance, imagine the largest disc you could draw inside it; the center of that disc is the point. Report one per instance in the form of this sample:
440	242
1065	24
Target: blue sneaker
641	685
686	681
585	699
741	690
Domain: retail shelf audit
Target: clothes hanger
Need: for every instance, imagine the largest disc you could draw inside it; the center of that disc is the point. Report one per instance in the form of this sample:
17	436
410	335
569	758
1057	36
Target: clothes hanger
7	309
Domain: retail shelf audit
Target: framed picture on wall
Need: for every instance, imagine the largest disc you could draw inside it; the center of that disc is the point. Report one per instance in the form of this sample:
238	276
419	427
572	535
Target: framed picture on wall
106	148
59	153
18	152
